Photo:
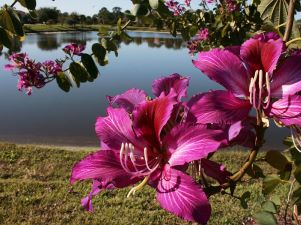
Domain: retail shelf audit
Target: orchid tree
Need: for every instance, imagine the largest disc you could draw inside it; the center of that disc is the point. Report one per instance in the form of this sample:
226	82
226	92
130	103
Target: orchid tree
166	141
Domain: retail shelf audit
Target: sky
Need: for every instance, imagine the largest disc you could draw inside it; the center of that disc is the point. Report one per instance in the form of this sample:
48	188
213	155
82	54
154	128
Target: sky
88	7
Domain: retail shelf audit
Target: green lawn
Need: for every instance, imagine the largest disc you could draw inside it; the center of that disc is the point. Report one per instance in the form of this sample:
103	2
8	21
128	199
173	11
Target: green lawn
38	28
35	189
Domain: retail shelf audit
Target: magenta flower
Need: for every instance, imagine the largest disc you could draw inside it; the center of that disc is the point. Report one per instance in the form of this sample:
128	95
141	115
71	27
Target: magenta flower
51	67
231	6
203	34
256	74
175	7
146	140
74	49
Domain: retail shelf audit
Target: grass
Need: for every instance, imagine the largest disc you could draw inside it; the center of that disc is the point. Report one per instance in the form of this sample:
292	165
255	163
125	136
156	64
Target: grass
35	189
38	28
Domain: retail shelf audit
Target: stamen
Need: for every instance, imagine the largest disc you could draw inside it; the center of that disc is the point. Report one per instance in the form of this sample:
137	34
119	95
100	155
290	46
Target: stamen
138	187
268	87
296	137
252	84
260	89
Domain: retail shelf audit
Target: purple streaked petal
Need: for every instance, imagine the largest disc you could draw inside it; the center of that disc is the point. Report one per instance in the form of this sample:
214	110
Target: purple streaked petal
215	170
150	117
180	195
225	68
286	110
104	165
129	99
217	107
9	67
262	53
188	143
174	82
287	80
97	186
116	129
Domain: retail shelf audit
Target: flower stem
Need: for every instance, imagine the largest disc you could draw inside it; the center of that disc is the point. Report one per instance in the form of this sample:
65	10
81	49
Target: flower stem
12	5
292	41
290	21
288	200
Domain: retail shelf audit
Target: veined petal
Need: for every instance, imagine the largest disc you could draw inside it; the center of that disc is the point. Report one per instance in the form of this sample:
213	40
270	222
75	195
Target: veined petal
150	117
97	186
188	143
225	68
173	82
215	170
116	129
287	80
286	110
129	99
180	195
104	165
217	107
262	52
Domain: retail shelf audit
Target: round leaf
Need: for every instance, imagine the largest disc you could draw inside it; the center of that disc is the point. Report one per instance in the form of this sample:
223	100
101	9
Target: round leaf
78	72
269	206
63	81
277	160
270	182
154	4
265	218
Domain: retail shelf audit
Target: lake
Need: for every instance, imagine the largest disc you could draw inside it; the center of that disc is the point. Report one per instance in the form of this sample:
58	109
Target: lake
53	117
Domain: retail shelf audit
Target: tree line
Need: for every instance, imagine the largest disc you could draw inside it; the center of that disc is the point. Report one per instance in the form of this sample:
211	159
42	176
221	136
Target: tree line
48	15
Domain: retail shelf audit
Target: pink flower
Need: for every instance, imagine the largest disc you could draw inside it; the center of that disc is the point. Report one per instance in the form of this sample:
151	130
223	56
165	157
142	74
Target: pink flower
146	140
203	34
74	49
231	6
256	74
51	67
176	7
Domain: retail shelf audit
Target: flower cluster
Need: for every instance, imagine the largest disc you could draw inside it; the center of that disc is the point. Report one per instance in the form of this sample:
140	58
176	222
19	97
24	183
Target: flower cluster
231	6
74	49
31	73
194	45
152	141
176	7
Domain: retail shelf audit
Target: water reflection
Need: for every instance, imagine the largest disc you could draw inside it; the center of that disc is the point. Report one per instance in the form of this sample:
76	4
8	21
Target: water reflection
51	116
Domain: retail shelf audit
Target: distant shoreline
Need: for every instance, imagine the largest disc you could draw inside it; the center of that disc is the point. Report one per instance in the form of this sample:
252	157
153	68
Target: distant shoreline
56	28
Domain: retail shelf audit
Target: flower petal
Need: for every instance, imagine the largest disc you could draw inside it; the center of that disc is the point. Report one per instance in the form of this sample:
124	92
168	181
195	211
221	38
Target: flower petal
173	82
262	52
286	110
129	99
215	170
287	80
150	117
188	143
116	129
97	186
178	194
225	68
104	165
217	107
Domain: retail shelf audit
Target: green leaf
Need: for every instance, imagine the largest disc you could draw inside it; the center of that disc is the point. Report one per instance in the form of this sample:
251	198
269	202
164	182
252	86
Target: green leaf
265	218
11	22
89	64
99	52
29	4
109	45
296	196
139	10
63	81
277	160
255	171
269	206
33	14
276	200
5	38
296	156
154	4
274	10
119	28
244	199
270	182
79	72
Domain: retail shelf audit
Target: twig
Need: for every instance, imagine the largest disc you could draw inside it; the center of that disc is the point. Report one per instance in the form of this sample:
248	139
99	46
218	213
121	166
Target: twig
12	5
288	201
290	21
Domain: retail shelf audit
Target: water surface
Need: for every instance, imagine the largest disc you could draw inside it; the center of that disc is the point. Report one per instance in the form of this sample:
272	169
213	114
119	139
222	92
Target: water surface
51	116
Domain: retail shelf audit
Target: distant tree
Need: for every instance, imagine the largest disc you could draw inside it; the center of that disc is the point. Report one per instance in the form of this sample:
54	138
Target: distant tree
46	14
104	15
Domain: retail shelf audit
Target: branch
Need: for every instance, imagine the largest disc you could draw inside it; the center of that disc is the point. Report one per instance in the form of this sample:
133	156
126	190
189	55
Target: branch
12	5
290	21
